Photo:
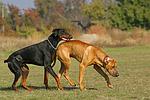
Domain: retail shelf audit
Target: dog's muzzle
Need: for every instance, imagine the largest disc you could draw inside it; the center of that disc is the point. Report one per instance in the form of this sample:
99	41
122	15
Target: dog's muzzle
66	39
117	75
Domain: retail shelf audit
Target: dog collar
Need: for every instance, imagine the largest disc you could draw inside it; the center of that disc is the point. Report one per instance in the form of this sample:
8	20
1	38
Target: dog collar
104	62
105	59
51	44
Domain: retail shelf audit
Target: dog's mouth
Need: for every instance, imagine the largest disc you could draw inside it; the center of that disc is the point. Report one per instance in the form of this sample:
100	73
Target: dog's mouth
114	75
65	39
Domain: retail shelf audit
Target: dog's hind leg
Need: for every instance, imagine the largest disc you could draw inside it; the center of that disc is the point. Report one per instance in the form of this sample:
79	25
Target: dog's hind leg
25	72
17	72
81	74
17	75
51	71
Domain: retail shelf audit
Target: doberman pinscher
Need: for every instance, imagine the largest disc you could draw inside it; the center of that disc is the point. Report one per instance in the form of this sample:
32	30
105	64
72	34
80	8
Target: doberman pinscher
41	54
86	54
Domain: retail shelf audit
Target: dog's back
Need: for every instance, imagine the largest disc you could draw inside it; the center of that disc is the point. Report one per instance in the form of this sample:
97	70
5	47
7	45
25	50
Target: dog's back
73	48
78	49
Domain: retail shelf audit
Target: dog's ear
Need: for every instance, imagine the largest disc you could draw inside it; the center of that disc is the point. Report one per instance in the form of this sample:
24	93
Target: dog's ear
106	62
107	59
55	32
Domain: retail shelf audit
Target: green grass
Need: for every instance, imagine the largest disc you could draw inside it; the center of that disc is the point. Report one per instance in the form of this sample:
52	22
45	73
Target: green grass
132	84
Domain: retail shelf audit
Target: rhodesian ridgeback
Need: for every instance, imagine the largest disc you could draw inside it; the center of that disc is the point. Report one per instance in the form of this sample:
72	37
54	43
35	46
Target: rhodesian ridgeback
86	54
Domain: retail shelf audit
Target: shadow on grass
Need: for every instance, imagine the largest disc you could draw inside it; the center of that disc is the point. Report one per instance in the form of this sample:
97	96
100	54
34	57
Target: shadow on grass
38	88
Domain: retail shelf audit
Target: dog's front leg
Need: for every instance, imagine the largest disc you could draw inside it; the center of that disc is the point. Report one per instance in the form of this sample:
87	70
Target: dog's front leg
46	74
51	71
100	71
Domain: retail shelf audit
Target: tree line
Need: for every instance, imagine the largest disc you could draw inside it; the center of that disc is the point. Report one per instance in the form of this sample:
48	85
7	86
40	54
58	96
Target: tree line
75	15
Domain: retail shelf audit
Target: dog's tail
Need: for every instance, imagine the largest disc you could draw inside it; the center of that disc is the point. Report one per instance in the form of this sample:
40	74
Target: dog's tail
54	61
5	61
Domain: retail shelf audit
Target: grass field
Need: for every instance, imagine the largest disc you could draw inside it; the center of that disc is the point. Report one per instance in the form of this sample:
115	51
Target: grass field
132	84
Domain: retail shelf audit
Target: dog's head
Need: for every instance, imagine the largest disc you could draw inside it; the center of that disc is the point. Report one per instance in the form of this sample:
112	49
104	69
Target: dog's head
110	65
62	34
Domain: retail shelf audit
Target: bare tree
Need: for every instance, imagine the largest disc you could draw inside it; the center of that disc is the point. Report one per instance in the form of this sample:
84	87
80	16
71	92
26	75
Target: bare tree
73	13
86	27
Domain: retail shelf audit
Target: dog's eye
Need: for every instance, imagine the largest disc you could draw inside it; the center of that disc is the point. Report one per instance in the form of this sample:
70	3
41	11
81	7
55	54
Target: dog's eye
113	67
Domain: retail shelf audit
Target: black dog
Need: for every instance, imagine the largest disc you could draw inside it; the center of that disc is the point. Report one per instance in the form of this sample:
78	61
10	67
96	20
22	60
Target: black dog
41	54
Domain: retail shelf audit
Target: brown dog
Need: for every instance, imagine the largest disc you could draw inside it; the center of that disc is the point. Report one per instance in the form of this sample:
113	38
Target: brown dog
87	55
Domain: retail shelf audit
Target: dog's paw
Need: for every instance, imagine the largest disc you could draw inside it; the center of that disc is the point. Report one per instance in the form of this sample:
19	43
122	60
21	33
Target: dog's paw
60	88
110	86
73	84
16	90
31	89
49	88
82	89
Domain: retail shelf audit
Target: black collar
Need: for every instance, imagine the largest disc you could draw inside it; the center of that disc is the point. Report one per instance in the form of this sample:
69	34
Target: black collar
104	64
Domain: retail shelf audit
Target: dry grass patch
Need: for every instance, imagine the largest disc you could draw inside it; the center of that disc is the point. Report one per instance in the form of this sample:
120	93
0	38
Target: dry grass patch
10	42
96	35
116	37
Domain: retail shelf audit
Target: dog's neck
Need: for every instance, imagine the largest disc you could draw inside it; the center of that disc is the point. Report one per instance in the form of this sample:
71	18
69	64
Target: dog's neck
53	42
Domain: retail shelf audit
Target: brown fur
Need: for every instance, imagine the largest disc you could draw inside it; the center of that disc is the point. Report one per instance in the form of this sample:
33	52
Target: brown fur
86	54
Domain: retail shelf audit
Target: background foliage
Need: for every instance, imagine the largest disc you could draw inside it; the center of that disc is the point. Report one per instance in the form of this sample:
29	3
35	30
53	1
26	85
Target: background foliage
75	15
122	14
130	14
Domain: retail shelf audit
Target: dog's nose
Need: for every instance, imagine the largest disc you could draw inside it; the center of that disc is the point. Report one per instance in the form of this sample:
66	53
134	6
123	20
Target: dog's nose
117	75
